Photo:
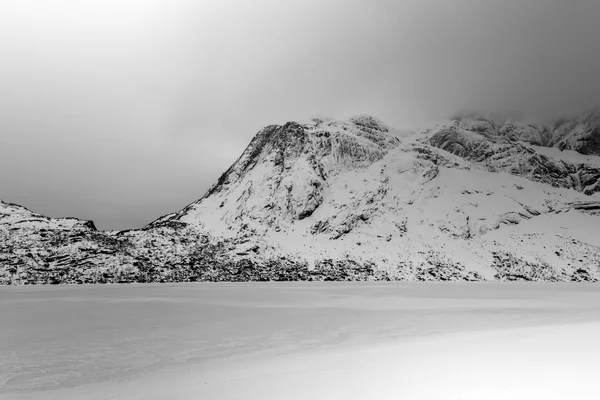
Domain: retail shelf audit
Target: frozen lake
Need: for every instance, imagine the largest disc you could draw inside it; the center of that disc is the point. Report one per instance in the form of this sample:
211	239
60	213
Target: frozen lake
57	340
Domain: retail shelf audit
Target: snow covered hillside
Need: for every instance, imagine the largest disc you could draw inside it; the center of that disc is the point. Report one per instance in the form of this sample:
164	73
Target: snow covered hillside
444	203
476	197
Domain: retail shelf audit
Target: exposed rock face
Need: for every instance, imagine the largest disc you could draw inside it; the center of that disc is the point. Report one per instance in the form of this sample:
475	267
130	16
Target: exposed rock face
35	248
502	155
591	206
466	199
511	268
580	133
282	175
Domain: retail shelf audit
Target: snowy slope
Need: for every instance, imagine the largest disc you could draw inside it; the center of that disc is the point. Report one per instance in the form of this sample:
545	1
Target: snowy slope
414	205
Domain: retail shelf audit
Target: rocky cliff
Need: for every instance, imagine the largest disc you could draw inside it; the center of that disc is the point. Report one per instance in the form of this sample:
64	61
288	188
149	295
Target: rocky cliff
579	133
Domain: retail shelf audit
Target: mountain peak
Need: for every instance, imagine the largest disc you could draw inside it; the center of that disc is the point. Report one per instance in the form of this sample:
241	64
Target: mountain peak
369	122
287	167
322	189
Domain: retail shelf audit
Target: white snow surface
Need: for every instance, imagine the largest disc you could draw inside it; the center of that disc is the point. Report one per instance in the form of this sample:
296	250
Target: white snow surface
267	341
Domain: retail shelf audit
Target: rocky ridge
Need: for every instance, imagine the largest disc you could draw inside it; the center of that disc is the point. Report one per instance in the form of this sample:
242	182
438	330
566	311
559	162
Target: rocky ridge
580	133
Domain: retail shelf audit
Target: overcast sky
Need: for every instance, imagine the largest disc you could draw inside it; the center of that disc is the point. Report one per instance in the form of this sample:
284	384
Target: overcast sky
120	111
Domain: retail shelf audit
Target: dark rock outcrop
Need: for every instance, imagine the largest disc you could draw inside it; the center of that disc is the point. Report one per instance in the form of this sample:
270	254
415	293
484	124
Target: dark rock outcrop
518	159
579	133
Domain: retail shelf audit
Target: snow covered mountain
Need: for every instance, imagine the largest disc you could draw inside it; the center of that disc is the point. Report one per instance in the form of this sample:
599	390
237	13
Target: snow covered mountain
479	196
452	200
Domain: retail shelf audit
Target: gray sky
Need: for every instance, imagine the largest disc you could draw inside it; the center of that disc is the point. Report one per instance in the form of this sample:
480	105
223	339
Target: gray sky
120	111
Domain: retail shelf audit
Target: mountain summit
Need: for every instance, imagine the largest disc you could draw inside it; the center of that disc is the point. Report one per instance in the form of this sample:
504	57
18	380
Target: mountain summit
476	197
469	197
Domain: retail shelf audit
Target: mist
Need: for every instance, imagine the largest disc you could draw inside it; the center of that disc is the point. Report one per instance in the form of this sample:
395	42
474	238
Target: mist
122	111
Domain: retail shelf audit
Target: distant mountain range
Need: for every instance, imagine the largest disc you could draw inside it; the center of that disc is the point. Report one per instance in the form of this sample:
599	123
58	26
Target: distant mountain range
481	196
